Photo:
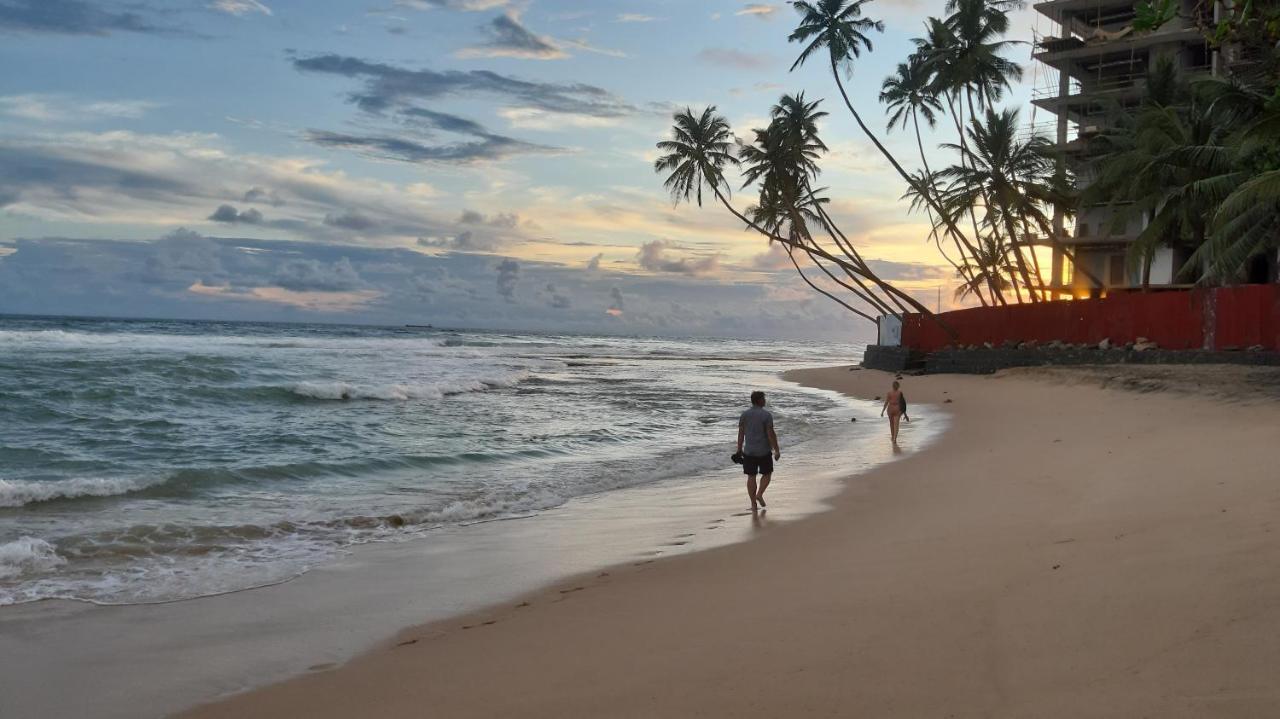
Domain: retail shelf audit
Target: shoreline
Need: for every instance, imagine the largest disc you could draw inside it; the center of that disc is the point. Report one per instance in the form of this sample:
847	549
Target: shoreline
196	650
1063	550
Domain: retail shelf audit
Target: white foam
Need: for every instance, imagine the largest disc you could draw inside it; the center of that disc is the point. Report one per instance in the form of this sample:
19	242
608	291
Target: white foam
19	493
26	555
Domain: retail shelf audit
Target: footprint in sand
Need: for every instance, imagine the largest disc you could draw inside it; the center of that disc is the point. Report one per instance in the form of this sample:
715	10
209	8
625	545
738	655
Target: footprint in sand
570	591
683	536
675	544
323	667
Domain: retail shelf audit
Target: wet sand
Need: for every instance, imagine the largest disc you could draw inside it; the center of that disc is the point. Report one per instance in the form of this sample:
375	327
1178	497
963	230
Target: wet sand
1083	543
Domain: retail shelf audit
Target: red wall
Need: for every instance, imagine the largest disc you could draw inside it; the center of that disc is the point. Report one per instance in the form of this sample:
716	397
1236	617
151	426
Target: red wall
1239	317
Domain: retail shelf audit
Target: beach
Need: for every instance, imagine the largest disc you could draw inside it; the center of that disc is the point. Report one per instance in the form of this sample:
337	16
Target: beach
1080	543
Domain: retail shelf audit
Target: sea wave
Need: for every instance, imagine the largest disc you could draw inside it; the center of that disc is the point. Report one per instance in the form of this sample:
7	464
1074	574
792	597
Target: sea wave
27	555
404	392
18	493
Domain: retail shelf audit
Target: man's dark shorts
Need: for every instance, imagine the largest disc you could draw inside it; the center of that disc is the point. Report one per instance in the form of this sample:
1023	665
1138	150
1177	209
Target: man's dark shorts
757	465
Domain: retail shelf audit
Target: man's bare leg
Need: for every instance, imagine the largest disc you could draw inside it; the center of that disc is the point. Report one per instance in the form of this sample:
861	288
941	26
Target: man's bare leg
764	484
751	489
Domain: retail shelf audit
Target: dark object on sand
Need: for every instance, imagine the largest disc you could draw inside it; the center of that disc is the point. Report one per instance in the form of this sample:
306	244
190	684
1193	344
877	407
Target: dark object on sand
853	419
737	458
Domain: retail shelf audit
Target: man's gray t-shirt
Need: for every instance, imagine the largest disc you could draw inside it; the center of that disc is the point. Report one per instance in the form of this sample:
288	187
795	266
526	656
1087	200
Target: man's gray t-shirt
755	423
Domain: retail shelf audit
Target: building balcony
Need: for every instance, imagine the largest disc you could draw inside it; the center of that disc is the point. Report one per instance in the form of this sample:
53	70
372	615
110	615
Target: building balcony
1065	53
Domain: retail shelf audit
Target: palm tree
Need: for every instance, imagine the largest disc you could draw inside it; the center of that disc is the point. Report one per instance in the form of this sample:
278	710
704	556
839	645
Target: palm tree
839	27
1011	179
908	95
700	148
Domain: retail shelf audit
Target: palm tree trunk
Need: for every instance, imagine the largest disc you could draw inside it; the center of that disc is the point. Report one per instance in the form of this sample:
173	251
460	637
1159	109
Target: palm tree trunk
915	120
791	256
951	225
884	286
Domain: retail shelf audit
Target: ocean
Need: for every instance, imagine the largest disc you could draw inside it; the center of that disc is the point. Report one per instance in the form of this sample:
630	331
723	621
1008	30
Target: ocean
153	461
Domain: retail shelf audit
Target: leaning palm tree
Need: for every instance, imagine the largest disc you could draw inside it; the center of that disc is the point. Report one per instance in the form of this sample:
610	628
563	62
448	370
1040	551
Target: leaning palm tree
696	157
839	27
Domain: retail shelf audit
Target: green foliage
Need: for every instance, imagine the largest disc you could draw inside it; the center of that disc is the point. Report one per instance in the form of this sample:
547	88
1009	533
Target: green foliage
1151	15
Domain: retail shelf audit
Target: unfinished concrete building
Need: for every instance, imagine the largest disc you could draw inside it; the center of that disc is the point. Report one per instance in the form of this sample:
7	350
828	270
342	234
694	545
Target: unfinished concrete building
1096	60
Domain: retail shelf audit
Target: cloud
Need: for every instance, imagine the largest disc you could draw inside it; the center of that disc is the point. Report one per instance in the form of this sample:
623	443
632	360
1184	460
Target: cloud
314	276
187	275
58	108
71	17
230	215
653	257
383	147
239	7
593	265
350	220
135	179
508	275
759	10
909	271
262	196
775	258
465	241
509	38
387	85
727	57
504	220
635	17
467	5
556	299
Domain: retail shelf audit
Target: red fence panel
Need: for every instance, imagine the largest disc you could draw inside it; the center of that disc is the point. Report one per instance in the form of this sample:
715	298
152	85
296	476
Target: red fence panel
1242	317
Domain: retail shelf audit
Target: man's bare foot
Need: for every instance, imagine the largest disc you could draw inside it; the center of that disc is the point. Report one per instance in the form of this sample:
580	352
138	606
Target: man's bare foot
760	499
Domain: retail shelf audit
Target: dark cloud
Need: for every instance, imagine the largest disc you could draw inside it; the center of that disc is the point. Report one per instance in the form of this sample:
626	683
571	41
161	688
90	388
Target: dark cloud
509	38
385	147
556	299
430	119
505	220
653	257
261	196
73	17
309	275
469	5
230	215
387	85
186	275
350	220
508	275
465	241
593	265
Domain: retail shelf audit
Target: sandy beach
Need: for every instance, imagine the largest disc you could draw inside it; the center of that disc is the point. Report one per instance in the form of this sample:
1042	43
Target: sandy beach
1084	543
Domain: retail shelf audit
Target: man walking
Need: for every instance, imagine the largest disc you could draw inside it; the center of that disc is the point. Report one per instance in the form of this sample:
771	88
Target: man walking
755	439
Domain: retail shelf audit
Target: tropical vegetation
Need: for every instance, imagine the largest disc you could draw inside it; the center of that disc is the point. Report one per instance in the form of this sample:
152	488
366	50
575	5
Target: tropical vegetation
1200	165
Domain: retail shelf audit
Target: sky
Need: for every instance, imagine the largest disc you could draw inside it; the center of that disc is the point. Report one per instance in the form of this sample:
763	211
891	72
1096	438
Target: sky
477	163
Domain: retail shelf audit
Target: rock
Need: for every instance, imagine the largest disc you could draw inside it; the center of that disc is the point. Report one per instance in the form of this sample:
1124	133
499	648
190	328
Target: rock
853	419
1128	346
1141	341
1105	344
1031	344
1230	348
1256	348
1022	345
396	520
947	402
988	345
878	398
1008	344
1145	345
